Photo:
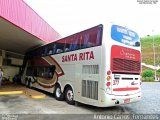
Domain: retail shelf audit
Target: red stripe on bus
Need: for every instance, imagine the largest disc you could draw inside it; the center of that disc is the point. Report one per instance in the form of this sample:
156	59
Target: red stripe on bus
46	86
125	89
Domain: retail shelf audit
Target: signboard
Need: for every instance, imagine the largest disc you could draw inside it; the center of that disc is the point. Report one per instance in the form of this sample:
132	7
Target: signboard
124	35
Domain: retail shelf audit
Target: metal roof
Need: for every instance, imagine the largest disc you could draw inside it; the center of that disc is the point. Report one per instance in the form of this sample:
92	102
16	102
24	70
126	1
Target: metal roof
21	28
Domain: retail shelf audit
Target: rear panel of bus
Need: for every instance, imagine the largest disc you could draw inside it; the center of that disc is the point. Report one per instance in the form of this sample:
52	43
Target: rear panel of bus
123	67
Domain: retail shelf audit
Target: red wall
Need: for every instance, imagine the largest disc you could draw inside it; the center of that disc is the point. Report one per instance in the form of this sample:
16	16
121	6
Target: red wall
19	13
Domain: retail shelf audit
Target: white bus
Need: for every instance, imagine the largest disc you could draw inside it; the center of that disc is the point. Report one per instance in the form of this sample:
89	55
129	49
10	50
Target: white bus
99	66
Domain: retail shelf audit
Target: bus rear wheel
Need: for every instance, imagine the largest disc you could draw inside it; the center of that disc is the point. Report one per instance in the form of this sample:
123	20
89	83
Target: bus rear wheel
69	95
58	93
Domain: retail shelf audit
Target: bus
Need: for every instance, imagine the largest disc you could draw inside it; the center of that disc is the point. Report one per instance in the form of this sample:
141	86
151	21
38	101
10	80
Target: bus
100	66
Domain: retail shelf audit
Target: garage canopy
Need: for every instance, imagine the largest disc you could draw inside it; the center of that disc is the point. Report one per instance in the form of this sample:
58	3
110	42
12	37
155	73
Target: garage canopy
21	28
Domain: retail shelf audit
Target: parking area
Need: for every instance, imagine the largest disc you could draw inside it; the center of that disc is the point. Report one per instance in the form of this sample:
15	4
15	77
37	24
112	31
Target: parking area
21	104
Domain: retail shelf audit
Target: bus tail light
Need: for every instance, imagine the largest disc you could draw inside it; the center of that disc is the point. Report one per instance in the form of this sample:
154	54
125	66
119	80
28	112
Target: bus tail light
108	72
108	84
108	78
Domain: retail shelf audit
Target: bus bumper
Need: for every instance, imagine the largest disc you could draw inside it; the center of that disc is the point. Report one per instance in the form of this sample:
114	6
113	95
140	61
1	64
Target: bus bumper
114	100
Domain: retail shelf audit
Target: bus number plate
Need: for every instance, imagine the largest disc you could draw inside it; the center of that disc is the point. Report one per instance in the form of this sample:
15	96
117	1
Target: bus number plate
115	82
127	100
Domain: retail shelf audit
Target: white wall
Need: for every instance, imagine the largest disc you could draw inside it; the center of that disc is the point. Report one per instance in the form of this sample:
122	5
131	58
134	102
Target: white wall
10	71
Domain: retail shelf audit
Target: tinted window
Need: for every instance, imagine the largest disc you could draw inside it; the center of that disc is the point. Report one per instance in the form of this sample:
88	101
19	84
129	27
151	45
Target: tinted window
50	49
44	51
75	43
88	38
92	37
41	71
59	45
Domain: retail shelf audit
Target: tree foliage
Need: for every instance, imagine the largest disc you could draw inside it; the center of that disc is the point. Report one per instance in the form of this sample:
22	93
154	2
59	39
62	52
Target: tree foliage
147	73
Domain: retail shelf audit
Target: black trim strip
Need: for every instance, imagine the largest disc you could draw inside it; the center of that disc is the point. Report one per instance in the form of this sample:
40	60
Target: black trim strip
127	78
126	73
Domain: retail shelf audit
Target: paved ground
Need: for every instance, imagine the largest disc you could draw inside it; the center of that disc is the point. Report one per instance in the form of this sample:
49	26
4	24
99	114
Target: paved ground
21	104
150	103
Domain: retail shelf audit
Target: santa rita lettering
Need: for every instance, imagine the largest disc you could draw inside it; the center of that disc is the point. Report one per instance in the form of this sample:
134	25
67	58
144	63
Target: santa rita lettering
78	57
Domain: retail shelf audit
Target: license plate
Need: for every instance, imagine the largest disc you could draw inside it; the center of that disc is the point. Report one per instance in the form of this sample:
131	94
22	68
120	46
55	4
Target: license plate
127	100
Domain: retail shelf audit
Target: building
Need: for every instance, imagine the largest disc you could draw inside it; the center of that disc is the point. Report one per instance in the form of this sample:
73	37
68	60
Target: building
21	29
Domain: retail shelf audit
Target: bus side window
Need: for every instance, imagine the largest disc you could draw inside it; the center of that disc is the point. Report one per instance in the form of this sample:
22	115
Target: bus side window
66	48
92	41
75	44
44	51
38	52
49	50
54	48
51	71
46	72
60	48
92	38
99	36
84	43
40	71
66	45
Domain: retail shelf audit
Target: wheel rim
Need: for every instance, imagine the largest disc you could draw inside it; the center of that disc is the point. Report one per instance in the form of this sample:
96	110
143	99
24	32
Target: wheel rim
70	95
58	92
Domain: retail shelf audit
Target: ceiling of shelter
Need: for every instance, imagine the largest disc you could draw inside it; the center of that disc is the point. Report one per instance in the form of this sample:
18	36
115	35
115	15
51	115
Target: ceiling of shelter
15	39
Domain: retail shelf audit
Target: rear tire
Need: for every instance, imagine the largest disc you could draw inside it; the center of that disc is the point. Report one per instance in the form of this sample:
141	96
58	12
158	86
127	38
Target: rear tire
69	95
58	94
